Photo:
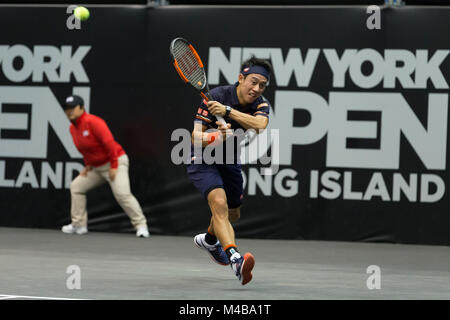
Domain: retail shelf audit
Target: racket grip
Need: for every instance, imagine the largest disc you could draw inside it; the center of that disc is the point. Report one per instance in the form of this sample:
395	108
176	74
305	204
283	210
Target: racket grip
207	97
221	120
229	132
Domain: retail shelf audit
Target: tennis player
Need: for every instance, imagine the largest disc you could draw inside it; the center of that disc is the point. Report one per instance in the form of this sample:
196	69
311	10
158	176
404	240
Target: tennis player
242	106
105	161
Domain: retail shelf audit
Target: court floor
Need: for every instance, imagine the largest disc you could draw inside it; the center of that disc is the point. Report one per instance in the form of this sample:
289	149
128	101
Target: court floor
47	264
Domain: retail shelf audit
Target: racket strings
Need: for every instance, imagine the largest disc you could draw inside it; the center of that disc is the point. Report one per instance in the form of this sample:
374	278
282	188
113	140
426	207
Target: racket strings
189	65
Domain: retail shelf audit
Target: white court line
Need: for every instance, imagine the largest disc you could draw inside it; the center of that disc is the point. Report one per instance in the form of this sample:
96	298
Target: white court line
5	296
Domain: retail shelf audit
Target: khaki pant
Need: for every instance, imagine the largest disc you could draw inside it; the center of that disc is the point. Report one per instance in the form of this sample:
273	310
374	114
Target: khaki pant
120	188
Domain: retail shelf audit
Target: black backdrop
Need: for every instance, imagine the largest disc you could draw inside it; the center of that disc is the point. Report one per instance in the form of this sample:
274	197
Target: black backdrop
134	88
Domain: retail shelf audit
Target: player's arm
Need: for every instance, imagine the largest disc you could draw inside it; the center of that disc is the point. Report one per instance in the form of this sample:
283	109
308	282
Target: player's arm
198	134
203	138
247	121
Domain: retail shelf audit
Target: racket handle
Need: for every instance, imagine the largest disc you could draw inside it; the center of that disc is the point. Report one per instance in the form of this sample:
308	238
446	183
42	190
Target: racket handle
207	97
229	132
221	120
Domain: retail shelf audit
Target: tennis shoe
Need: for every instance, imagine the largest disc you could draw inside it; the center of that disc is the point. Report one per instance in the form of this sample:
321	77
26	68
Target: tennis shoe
216	251
142	232
242	267
72	229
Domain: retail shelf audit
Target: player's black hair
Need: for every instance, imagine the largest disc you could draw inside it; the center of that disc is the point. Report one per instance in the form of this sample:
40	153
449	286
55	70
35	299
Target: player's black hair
254	61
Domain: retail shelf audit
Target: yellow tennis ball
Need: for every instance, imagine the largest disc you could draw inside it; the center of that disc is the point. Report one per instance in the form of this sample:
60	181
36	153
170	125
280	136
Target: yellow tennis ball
81	13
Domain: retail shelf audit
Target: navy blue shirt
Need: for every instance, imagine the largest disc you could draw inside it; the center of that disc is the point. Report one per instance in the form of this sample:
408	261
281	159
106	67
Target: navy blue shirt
227	95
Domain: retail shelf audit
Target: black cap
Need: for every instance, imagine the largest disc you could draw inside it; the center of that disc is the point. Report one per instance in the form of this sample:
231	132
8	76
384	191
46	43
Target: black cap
73	101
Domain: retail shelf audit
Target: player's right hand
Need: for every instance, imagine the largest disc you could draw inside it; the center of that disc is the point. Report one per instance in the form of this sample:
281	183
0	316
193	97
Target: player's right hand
225	130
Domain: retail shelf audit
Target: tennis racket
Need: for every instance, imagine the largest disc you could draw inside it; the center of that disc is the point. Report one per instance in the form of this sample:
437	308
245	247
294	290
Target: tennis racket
190	68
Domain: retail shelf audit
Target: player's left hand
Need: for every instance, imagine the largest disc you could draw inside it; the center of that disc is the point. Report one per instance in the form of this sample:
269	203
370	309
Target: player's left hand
216	108
112	174
225	130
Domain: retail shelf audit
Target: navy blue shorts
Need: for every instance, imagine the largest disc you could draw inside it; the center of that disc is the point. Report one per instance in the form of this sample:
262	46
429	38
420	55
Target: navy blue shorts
227	176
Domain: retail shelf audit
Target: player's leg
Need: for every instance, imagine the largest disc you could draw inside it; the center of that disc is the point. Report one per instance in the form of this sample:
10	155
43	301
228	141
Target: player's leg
206	178
220	224
78	212
233	186
127	201
210	181
233	215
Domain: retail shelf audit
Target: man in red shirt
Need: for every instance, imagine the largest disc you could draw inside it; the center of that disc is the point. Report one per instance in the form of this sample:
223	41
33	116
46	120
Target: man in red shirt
105	161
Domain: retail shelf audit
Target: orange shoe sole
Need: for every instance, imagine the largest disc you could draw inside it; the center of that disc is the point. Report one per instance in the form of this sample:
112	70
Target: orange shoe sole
249	263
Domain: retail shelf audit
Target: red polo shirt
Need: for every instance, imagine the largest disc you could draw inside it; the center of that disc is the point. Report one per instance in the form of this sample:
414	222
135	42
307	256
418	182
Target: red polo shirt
94	141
